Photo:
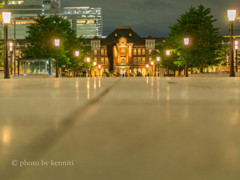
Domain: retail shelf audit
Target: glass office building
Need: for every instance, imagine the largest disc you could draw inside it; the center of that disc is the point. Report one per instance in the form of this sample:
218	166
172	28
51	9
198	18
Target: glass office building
86	21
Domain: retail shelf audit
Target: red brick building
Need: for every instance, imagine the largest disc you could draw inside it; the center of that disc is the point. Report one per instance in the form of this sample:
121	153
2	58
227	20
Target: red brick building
124	52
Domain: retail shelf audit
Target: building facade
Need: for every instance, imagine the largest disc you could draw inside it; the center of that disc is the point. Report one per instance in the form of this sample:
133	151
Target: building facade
124	52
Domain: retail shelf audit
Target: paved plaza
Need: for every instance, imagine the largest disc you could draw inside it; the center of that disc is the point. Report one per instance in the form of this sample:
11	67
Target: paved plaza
120	129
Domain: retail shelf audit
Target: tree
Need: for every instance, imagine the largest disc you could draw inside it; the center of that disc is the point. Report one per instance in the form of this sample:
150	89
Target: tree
206	42
41	37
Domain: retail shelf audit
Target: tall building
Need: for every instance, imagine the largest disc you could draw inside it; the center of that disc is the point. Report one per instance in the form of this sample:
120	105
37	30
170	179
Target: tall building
86	21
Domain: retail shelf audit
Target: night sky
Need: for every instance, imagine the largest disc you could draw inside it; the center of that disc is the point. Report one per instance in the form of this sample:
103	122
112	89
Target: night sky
152	17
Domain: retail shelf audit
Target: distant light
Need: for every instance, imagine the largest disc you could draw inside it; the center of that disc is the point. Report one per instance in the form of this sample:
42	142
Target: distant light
94	63
232	14
147	66
99	66
11	46
57	42
168	52
6	16
152	63
77	53
186	41
158	59
88	59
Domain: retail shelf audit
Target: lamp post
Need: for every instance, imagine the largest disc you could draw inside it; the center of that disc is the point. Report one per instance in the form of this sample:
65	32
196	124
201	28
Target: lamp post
186	43
158	62
57	44
88	69
6	20
77	54
236	49
11	53
147	66
99	67
168	53
231	18
95	64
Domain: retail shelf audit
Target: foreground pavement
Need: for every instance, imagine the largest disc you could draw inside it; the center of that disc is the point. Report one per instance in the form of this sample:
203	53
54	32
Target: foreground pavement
120	129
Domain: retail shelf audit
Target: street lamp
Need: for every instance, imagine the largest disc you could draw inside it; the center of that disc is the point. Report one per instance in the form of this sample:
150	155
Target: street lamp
158	60
168	52
186	43
11	52
57	44
77	53
6	16
231	17
99	67
236	49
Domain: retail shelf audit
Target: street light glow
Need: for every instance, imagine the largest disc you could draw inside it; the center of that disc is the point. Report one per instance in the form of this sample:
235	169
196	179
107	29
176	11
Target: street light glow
94	63
77	53
158	59
232	14
6	16
168	52
11	46
147	66
236	45
152	63
88	59
186	41
57	42
99	66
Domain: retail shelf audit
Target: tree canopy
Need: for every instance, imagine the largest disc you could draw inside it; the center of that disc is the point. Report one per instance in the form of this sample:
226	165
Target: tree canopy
205	47
41	37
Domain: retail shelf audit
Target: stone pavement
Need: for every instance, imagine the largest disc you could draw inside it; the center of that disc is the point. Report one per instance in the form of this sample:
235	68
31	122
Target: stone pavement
120	129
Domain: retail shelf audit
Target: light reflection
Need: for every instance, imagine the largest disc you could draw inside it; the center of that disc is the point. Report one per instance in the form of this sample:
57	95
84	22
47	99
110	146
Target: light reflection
99	82
88	88
152	84
6	135
158	90
77	89
147	81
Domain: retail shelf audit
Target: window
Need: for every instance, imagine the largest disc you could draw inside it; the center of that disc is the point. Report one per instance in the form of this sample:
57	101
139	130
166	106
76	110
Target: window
139	60
102	60
116	34
106	61
123	52
139	51
143	60
134	60
95	52
143	51
102	52
134	51
150	51
123	61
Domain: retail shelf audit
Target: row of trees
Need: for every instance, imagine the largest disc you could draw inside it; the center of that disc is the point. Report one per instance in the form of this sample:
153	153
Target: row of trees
41	37
205	49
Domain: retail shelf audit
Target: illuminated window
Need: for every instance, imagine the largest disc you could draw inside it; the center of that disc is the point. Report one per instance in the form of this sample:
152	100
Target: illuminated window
150	51
139	51
139	60
143	60
102	52
95	52
123	52
25	22
81	22
116	35
143	51
102	60
130	34
123	60
106	61
135	51
134	60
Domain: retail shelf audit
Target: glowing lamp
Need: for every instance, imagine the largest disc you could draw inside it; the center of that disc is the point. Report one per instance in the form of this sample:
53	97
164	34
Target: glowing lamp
94	63
158	59
147	66
77	53
232	14
57	42
6	16
168	52
88	59
186	41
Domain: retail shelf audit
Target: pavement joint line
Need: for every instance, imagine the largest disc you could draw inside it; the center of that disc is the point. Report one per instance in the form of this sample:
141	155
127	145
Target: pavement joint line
45	140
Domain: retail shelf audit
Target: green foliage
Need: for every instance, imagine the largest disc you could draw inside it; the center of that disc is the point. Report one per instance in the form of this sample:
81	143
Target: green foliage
41	37
205	42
